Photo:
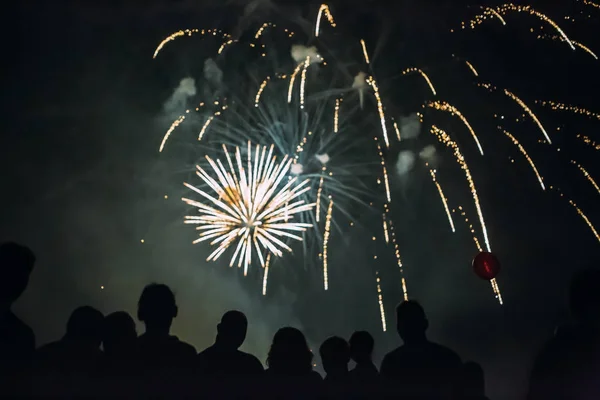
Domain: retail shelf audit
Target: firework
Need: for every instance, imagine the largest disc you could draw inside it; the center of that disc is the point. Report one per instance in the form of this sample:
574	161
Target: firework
323	9
443	106
529	160
326	243
423	74
444	199
364	49
373	84
472	68
587	175
380	301
251	208
561	39
556	106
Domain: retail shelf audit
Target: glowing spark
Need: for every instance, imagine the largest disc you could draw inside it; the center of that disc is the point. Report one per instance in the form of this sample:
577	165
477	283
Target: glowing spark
445	138
323	8
266	274
380	300
397	253
472	68
364	49
303	81
444	106
589	142
587	175
251	206
497	15
174	125
292	78
585	218
560	38
318	206
529	160
589	3
336	114
225	44
373	84
385	174
326	242
171	37
260	90
424	75
205	126
528	110
261	30
556	106
385	229
444	200
397	130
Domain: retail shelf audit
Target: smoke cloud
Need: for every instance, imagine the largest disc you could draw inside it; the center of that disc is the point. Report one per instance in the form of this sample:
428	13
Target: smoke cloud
405	163
179	98
410	126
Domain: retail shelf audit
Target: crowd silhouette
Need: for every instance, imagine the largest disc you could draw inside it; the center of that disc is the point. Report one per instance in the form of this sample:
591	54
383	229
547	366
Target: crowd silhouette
103	356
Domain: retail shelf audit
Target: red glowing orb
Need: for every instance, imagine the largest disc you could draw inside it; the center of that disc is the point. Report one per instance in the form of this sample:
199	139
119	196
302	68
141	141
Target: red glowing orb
486	265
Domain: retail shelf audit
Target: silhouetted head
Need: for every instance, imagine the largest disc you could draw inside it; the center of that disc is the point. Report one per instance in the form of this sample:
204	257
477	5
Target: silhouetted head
231	331
584	297
411	321
289	353
335	355
16	264
119	332
157	307
85	327
473	379
361	346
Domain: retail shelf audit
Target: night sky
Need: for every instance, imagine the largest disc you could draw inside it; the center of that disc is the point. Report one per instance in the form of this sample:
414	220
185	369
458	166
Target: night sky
82	182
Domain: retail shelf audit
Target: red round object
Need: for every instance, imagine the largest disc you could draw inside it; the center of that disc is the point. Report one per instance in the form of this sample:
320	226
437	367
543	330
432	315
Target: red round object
486	265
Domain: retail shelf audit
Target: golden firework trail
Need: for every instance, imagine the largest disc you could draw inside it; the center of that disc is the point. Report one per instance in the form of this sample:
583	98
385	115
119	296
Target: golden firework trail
250	207
326	243
319	191
303	81
323	9
488	12
444	106
397	130
595	145
260	90
260	30
444	199
386	234
580	212
266	274
556	106
380	301
529	160
561	39
445	139
173	36
587	175
396	251
424	75
364	49
292	79
591	3
336	114
373	84
225	44
174	125
472	68
385	174
528	111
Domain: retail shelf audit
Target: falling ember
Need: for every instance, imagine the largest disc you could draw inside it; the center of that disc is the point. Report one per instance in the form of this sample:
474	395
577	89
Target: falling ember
444	106
323	8
531	114
292	78
364	49
260	90
445	138
380	300
560	38
225	44
397	130
385	229
529	160
424	75
397	254
472	68
585	218
336	114
266	274
326	243
373	84
303	81
385	174
205	126
251	206
174	125
261	30
556	106
497	15
444	200
319	191
171	37
587	175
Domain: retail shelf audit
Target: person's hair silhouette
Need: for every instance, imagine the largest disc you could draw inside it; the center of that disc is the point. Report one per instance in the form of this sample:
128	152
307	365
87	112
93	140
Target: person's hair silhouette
231	331
289	353
157	308
411	322
119	334
16	264
335	355
361	346
85	327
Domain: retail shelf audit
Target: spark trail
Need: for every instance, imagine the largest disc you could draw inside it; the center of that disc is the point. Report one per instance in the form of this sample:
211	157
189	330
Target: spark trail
444	106
444	199
529	160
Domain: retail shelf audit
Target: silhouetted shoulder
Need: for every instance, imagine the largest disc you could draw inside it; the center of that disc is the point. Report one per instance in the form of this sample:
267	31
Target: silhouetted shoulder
16	338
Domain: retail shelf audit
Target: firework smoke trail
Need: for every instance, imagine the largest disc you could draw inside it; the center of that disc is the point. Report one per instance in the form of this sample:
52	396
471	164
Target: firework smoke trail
444	199
556	106
323	9
444	106
587	175
373	84
174	125
529	160
561	39
380	301
364	49
260	90
472	68
250	208
326	243
580	212
445	139
424	75
266	274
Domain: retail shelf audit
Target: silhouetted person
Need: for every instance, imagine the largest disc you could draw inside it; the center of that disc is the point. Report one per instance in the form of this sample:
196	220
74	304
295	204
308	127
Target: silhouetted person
419	368
473	382
156	348
72	364
290	372
361	351
335	356
17	341
568	367
119	335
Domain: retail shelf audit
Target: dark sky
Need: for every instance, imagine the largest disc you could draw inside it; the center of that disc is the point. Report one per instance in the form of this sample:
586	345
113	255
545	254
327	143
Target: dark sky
82	182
